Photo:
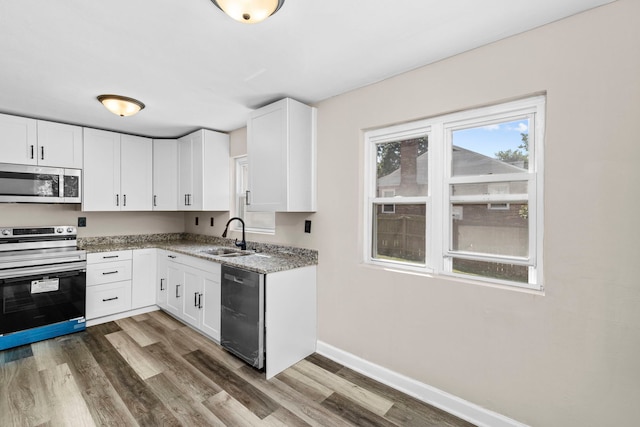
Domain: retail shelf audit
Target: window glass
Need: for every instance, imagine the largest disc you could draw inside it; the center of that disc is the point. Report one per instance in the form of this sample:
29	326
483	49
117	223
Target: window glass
491	149
401	167
489	188
494	270
264	222
400	235
478	228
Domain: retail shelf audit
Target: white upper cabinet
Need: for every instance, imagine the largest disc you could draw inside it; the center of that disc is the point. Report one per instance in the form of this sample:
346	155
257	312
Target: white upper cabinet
165	174
281	149
59	145
203	171
37	142
118	172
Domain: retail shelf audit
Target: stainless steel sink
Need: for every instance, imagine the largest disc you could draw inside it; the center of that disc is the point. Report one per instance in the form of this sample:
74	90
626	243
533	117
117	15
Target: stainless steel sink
225	252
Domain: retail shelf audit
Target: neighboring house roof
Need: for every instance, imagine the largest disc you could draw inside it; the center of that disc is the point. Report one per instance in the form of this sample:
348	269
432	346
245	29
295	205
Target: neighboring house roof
465	162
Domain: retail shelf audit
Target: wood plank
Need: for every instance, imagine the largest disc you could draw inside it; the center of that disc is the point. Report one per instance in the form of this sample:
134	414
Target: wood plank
167	321
143	404
67	407
406	410
311	389
22	397
211	348
134	355
249	396
47	354
187	411
139	335
231	412
357	414
369	400
307	410
104	403
283	418
183	375
173	338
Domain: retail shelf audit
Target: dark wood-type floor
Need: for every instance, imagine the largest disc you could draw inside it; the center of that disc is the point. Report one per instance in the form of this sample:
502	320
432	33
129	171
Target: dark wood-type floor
151	370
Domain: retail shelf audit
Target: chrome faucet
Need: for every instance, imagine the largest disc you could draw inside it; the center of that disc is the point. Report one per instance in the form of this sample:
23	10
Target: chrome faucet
242	245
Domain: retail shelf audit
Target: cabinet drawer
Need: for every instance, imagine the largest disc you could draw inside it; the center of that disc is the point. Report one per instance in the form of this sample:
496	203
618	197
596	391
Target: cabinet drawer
109	298
98	257
108	272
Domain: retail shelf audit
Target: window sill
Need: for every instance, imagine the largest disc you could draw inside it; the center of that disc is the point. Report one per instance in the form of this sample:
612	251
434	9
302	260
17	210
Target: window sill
452	278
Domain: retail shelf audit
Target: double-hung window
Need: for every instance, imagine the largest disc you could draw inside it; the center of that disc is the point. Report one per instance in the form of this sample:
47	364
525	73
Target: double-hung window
459	194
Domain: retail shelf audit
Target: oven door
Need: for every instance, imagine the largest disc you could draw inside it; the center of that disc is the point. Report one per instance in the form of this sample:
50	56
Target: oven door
38	296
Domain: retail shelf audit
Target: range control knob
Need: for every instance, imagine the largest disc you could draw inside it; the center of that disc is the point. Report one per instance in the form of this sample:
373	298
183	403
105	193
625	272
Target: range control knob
70	230
59	230
6	232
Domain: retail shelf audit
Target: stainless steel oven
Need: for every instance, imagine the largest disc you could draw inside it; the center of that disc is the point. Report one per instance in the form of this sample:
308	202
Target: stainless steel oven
42	284
36	184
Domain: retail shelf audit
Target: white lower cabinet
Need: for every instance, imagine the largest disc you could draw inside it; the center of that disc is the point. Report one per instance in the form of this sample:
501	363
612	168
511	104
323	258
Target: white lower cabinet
193	292
108	283
120	281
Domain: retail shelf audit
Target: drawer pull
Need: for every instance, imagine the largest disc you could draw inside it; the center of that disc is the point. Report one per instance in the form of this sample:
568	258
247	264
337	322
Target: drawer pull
172	256
162	283
110	256
109	272
109	299
177	293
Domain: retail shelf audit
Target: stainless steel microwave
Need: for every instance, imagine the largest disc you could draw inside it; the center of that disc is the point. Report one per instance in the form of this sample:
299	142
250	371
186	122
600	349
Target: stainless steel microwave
36	184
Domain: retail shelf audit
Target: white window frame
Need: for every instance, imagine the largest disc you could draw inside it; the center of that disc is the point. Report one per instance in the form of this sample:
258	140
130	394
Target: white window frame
239	198
439	203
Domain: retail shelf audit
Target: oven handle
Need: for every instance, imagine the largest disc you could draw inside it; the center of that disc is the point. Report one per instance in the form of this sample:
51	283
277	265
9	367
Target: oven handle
42	270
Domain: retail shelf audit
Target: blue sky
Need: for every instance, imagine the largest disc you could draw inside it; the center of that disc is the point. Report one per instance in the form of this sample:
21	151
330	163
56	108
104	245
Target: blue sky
488	140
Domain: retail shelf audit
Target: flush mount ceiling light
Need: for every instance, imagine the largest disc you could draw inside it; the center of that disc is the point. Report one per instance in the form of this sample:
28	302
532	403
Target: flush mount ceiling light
121	105
249	11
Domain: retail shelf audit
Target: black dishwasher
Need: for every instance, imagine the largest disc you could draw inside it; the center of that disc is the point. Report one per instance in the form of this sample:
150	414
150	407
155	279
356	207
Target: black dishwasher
242	316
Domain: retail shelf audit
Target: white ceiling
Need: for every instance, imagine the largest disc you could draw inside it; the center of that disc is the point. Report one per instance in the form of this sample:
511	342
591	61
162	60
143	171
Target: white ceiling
194	67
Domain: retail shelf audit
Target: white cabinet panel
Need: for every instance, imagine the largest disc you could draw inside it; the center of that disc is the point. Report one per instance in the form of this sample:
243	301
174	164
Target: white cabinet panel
136	173
108	272
110	298
18	140
204	171
281	149
165	174
118	172
59	145
143	277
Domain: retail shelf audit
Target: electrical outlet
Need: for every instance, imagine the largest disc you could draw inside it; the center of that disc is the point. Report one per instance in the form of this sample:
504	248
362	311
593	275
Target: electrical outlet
82	221
307	226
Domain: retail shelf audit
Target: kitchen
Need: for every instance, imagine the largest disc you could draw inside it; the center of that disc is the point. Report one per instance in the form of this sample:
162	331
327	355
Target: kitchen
566	357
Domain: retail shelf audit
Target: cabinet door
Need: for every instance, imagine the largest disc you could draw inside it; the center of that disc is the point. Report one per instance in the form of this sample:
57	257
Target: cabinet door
175	288
162	282
18	140
192	296
210	316
165	175
136	173
101	185
59	145
266	148
143	290
185	176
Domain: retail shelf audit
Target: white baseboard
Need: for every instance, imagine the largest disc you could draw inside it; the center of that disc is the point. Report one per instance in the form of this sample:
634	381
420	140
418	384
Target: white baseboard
440	399
117	316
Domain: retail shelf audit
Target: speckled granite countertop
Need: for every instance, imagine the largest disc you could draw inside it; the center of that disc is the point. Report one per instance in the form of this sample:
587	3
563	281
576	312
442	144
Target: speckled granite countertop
267	258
